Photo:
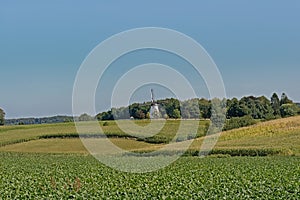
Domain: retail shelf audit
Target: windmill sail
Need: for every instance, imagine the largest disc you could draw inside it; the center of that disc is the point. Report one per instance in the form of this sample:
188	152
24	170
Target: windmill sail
152	96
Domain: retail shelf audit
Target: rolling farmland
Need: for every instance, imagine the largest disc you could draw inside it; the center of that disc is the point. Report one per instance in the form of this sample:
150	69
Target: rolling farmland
50	161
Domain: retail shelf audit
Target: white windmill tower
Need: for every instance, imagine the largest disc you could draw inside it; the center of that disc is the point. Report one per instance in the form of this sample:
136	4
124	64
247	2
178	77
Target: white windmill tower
154	111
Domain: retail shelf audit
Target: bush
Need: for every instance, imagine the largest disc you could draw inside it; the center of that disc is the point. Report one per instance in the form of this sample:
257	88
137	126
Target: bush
288	110
235	152
246	152
157	139
238	122
105	124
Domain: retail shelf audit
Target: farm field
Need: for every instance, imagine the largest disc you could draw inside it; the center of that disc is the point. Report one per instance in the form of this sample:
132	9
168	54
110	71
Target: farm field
49	161
282	136
70	176
70	145
22	133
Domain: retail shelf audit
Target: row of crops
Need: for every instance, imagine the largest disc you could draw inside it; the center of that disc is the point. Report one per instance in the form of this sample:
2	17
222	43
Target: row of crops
19	134
82	177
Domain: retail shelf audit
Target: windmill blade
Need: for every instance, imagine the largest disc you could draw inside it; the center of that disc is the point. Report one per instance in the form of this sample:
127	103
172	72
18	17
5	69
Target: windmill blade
152	96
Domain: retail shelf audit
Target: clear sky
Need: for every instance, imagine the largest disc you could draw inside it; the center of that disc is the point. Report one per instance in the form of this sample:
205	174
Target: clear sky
255	44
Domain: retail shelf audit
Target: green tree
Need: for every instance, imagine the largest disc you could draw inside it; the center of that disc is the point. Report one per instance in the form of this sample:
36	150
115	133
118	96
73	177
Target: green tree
2	117
275	102
194	108
105	116
252	104
205	108
236	108
148	115
176	114
265	108
190	109
139	111
85	117
285	100
120	113
169	106
139	114
256	107
237	122
218	114
288	110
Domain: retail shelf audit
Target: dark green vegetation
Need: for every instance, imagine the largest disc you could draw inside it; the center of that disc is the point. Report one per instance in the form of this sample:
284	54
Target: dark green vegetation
52	176
240	113
237	122
2	117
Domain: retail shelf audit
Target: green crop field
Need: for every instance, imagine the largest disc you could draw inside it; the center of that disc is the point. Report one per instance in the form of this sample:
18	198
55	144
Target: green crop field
22	133
49	161
63	176
282	136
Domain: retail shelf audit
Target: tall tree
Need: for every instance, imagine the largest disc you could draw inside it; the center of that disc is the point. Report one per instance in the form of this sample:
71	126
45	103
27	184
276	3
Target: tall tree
236	108
275	102
285	99
190	109
2	117
205	108
265	108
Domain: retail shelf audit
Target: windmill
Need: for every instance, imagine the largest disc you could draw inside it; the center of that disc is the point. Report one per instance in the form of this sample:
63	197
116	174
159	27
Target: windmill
154	111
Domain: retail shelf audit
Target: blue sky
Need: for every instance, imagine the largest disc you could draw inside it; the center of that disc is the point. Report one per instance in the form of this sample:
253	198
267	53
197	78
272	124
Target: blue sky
255	44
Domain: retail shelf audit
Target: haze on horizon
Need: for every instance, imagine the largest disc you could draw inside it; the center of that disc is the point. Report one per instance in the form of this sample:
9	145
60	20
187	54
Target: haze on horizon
255	45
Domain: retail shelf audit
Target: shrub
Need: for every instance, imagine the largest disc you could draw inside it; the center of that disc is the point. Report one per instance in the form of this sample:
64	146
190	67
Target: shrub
288	110
105	124
237	122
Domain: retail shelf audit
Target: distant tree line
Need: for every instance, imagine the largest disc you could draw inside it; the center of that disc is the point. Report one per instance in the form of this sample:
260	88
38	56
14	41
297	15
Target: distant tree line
239	112
169	108
260	108
47	120
43	120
